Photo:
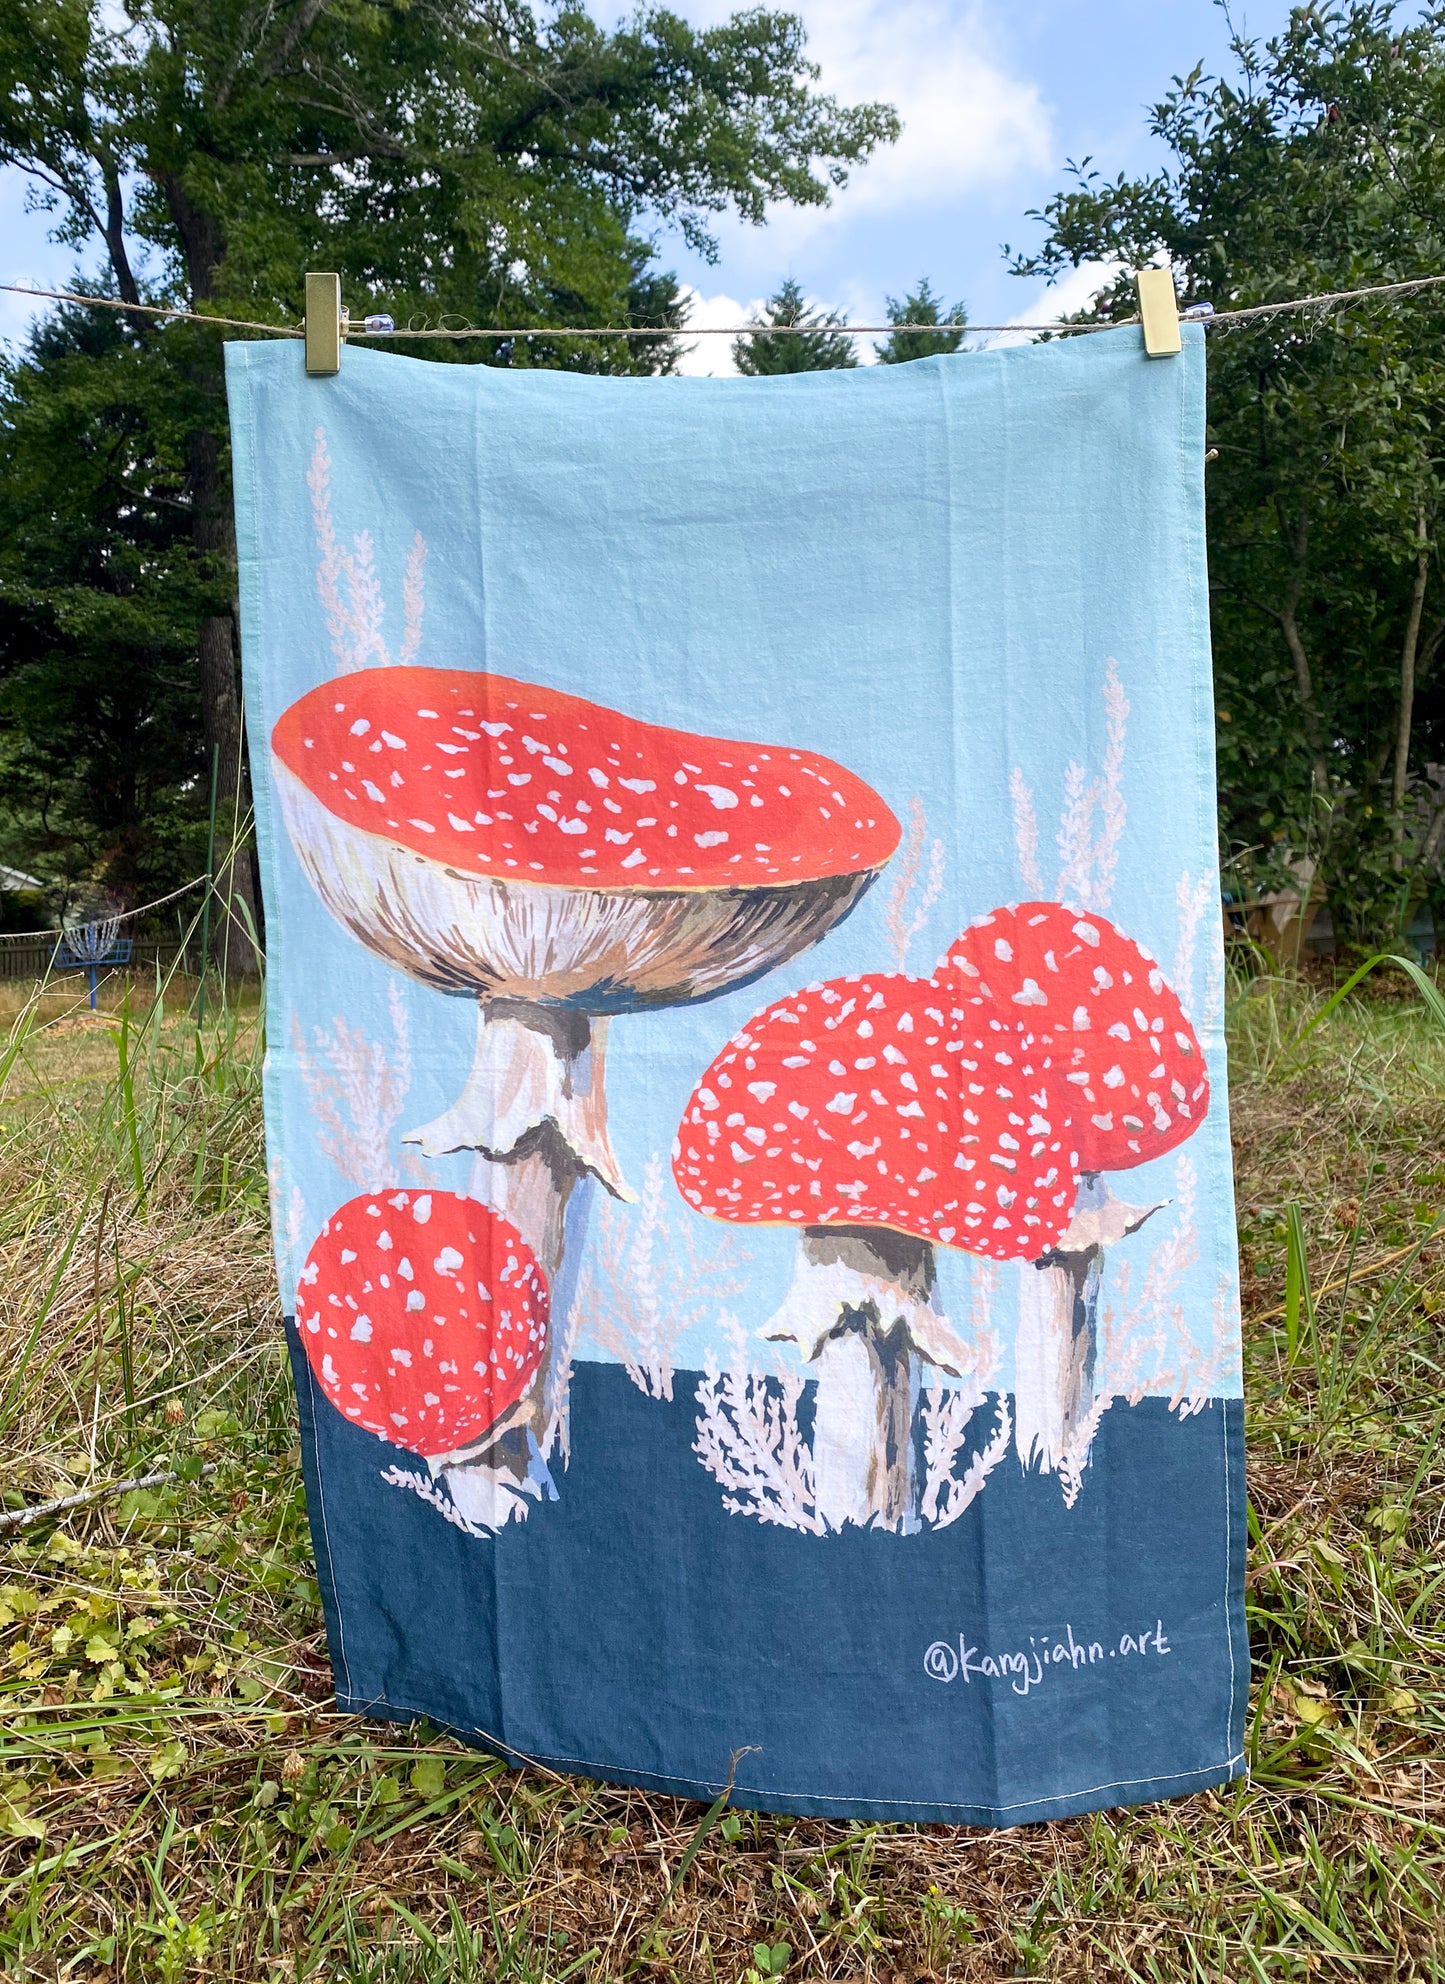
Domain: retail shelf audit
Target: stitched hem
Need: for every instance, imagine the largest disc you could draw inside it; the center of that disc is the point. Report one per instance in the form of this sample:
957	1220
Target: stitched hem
822	1804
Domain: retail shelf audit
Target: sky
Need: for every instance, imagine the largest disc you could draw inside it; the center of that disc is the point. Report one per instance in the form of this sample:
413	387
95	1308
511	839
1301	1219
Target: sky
995	97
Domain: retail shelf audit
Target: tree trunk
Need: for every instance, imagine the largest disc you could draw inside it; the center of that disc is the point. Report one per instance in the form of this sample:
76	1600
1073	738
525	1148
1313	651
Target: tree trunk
236	928
236	924
1405	715
1297	536
1305	690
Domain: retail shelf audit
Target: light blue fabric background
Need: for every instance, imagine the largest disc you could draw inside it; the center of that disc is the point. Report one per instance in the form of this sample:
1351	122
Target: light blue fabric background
921	571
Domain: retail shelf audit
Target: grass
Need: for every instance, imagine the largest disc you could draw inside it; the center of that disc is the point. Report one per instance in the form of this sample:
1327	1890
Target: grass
179	1800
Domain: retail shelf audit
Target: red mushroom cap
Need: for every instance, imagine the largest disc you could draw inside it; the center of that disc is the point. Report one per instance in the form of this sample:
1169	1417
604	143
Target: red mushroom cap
423	1316
1119	1034
878	1101
500	778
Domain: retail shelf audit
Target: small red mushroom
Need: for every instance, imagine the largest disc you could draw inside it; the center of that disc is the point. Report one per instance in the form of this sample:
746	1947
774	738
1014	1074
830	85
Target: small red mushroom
1133	1064
424	1318
1119	1031
881	1119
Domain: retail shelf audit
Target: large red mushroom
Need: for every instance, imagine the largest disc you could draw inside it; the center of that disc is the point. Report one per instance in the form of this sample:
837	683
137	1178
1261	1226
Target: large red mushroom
1132	1062
424	1318
559	862
881	1119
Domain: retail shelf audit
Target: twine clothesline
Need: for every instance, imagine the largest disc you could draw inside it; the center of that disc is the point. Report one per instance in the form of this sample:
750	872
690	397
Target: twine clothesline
119	916
461	332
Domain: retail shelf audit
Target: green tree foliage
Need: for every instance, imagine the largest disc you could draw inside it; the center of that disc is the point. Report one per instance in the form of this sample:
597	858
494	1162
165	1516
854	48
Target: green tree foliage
922	307
812	340
101	759
479	159
1318	168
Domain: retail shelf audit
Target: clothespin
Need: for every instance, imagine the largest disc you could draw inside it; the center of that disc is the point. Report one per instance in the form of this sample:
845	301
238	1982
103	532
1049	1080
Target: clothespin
328	325
1159	311
323	324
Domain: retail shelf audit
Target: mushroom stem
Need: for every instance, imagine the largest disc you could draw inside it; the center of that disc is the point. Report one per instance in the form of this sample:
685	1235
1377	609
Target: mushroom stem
535	1066
531	1188
534	1110
495	1480
860	1307
1057	1345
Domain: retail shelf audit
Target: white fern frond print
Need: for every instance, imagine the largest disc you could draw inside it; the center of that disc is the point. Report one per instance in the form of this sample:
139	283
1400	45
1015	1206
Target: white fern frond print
1091	819
347	585
357	1089
749	1439
916	888
646	1281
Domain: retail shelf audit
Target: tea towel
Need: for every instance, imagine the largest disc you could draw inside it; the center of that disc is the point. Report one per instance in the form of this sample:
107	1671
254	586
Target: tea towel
745	1095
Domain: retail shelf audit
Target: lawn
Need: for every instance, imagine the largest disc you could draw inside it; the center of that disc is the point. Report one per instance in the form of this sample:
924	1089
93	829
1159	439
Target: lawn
179	1800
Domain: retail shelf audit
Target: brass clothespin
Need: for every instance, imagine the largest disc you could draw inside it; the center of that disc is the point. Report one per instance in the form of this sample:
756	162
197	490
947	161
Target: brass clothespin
1159	310
323	324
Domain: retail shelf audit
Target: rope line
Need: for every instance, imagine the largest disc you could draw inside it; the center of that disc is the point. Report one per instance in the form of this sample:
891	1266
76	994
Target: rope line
357	333
152	310
121	916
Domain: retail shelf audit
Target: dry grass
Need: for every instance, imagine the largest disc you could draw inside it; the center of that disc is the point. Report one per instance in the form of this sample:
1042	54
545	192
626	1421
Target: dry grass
178	1799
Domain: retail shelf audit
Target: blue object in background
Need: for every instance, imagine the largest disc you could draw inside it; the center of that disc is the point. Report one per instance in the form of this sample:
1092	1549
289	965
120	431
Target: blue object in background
92	948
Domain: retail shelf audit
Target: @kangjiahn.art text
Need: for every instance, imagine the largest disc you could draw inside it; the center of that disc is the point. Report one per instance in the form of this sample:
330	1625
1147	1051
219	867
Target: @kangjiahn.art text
1025	1668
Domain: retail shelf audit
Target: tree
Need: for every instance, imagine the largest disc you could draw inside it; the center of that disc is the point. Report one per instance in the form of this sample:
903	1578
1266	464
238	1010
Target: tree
922	307
455	157
1318	168
101	756
813	340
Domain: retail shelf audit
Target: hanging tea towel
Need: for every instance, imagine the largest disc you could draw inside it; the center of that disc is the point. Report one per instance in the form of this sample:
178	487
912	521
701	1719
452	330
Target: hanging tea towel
745	1097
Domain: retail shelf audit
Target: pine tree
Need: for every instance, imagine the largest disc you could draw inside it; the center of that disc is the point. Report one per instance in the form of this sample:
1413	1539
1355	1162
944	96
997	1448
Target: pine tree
813	342
922	307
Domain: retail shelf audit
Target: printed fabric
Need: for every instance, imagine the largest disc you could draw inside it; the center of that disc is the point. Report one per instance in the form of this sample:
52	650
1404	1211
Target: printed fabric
745	1091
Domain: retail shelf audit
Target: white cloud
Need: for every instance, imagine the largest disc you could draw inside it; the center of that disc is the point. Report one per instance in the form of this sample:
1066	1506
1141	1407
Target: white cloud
1072	292
712	357
19	313
967	123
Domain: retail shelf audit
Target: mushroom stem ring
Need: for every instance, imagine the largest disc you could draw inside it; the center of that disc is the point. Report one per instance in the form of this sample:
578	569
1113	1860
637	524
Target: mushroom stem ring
537	1076
860	1308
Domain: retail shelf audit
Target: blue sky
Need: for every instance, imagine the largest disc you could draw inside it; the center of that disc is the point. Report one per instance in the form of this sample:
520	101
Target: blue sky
995	95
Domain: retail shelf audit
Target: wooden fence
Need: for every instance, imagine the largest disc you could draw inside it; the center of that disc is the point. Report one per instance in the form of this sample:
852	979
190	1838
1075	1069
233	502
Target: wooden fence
32	957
